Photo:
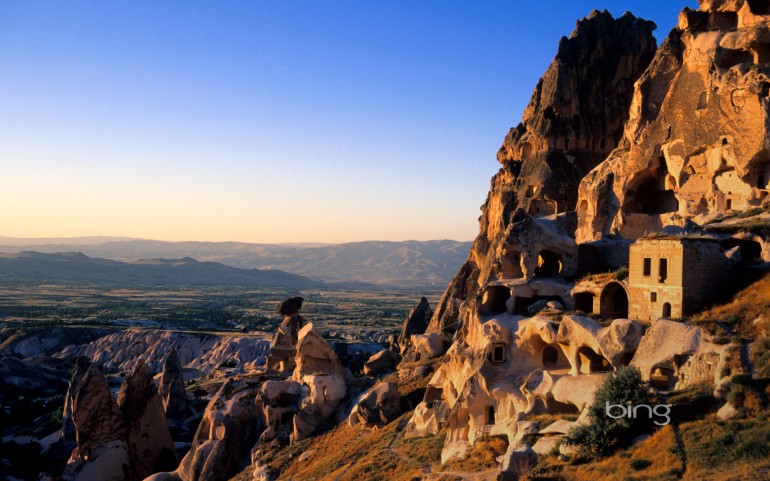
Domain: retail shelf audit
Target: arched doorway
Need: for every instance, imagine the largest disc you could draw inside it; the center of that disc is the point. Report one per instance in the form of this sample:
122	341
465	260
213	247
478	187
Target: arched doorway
613	303
550	356
666	310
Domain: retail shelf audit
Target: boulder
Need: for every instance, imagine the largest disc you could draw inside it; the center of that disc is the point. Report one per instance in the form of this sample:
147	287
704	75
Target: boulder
547	445
428	346
378	406
726	412
150	446
516	463
381	362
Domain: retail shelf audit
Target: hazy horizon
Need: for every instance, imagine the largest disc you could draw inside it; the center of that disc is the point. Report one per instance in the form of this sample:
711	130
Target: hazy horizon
267	122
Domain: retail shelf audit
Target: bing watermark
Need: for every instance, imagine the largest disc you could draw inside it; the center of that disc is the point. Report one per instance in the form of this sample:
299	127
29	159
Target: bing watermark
630	411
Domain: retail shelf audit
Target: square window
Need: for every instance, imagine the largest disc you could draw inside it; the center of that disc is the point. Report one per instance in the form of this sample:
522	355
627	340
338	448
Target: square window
498	353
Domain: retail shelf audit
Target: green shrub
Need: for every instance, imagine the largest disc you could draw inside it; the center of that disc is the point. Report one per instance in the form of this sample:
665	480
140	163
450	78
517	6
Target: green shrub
603	435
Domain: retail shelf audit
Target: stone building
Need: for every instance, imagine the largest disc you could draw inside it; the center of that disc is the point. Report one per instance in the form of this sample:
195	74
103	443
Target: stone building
672	277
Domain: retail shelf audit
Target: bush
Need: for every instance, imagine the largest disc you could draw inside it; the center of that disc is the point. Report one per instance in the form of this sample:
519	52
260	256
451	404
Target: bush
640	464
603	435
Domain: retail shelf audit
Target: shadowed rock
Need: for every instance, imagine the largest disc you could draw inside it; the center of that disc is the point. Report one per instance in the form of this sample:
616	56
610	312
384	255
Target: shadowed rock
150	446
171	389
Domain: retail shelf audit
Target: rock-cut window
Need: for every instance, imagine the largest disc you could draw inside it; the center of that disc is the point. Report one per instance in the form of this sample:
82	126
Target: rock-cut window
663	270
647	270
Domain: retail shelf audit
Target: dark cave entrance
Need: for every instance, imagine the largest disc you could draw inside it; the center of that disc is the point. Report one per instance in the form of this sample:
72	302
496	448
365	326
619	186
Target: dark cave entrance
613	302
548	264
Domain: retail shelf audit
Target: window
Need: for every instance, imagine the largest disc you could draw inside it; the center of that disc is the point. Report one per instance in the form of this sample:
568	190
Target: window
498	353
647	266
653	297
663	270
490	414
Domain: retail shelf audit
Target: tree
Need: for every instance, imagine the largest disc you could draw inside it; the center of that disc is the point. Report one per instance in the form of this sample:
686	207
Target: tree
605	432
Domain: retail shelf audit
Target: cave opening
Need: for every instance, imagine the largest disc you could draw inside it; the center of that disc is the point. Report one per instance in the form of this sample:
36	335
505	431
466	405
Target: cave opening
584	302
591	362
495	300
662	378
548	264
649	198
613	302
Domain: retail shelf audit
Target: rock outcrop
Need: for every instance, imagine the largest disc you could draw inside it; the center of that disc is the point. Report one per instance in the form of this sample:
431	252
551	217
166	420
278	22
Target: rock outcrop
381	362
172	389
697	138
102	452
574	120
150	446
416	323
319	371
378	406
68	423
225	436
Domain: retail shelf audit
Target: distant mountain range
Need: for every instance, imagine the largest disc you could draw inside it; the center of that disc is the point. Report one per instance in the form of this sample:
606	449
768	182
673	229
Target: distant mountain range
409	263
77	268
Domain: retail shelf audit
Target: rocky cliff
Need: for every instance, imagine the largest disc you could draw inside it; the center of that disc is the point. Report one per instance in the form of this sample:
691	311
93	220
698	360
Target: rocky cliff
573	121
696	141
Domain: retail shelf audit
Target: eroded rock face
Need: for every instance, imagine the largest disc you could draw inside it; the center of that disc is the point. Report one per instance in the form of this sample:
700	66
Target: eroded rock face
68	423
319	371
122	351
696	141
673	355
150	446
171	388
102	451
225	436
574	120
416	323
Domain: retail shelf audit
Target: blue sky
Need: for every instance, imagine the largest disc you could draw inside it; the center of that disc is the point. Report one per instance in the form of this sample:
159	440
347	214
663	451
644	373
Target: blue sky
267	121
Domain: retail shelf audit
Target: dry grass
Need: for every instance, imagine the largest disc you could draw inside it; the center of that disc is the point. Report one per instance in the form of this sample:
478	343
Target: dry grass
660	451
741	311
349	453
482	456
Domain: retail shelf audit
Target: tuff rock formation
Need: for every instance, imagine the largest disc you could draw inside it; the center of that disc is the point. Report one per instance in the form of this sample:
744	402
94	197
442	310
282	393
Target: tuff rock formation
150	446
123	350
696	141
68	423
102	451
416	323
225	436
574	120
319	371
172	390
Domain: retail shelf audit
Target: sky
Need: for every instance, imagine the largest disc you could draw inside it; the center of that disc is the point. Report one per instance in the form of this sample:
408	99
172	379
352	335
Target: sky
268	121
